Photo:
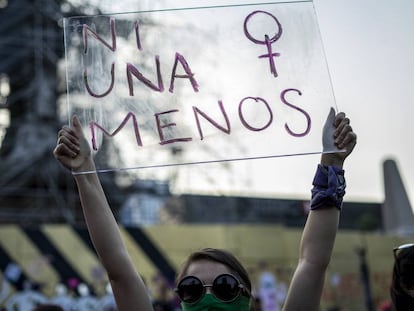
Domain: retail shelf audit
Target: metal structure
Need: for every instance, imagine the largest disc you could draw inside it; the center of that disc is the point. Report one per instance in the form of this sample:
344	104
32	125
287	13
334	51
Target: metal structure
33	188
397	212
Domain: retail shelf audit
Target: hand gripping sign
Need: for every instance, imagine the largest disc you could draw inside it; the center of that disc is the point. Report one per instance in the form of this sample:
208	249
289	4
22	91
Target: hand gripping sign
197	85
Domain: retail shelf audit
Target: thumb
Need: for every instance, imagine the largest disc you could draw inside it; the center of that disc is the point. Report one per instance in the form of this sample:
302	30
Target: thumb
77	127
78	130
328	132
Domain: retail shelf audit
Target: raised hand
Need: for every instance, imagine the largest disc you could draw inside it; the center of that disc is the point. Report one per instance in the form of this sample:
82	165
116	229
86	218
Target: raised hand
72	149
337	134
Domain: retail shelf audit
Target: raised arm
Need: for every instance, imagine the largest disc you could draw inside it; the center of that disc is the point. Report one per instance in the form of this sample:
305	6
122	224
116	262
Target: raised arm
322	223
73	152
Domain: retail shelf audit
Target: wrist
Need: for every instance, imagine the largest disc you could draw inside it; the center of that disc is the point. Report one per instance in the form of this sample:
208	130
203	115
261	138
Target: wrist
87	166
328	159
329	187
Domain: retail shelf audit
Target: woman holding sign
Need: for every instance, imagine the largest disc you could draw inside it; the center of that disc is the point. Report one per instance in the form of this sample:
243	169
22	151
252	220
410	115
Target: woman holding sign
214	279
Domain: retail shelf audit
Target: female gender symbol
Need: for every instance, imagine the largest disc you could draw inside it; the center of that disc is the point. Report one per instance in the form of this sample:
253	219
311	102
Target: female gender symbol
267	41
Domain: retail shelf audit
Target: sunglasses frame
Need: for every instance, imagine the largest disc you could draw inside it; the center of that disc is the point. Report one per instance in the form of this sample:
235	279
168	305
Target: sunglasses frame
395	250
241	288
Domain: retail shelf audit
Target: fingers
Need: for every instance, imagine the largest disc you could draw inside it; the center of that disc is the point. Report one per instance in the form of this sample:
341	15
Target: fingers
68	137
72	149
61	151
69	134
349	141
340	122
67	143
344	139
344	135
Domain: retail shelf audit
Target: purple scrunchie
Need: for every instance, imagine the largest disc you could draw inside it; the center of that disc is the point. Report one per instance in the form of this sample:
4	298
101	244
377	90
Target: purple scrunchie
329	187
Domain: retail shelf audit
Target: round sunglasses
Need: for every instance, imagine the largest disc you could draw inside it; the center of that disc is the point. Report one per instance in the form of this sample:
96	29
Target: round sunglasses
225	287
396	250
405	279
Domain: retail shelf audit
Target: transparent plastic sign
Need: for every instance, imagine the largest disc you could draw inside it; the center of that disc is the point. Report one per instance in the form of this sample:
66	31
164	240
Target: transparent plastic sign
197	85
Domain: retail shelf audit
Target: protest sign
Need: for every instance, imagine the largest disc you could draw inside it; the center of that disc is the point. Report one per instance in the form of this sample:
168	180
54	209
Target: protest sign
196	85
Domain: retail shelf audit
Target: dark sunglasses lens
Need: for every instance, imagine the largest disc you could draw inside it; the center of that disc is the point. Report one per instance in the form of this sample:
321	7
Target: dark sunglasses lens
226	287
190	289
406	273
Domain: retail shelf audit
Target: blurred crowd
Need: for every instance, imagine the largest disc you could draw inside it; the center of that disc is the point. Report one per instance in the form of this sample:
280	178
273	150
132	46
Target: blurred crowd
269	292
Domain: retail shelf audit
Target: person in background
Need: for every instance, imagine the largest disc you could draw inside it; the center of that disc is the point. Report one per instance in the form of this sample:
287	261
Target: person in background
213	278
402	285
48	307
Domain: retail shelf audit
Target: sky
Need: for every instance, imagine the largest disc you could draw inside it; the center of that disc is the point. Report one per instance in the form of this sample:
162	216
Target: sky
369	49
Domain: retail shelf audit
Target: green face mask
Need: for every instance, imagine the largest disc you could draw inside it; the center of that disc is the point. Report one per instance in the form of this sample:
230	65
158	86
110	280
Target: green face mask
211	303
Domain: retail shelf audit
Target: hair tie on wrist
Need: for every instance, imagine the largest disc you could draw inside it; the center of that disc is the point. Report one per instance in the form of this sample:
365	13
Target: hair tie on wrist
328	187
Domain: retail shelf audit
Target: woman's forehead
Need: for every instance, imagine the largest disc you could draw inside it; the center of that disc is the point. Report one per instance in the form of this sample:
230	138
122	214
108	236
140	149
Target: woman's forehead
206	270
